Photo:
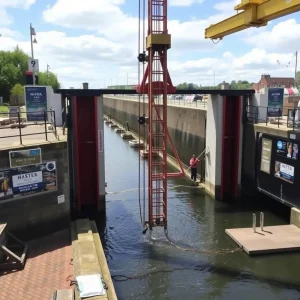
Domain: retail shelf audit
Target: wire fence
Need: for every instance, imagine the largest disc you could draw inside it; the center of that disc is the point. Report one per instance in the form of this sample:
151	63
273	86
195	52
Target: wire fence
27	124
281	117
192	101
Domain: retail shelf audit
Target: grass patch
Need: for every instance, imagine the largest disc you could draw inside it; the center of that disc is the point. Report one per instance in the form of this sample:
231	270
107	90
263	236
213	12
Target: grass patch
3	109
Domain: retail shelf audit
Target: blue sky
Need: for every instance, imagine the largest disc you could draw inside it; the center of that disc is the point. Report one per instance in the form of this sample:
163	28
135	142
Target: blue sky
97	40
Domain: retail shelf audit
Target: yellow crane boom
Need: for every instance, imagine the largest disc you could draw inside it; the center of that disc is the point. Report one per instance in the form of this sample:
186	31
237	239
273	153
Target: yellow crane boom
255	13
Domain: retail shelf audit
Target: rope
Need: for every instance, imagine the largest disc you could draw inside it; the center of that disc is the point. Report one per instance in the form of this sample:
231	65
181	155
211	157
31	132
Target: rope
144	113
120	278
139	131
136	189
222	251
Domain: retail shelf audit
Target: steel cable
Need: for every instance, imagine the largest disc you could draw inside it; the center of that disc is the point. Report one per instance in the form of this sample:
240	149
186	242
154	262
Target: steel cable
137	189
139	131
222	251
144	113
146	274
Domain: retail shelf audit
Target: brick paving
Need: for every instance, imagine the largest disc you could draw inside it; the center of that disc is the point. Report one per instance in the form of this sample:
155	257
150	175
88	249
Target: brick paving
48	268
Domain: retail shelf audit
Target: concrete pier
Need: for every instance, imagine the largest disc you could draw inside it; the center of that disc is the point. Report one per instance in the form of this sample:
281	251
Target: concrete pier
88	256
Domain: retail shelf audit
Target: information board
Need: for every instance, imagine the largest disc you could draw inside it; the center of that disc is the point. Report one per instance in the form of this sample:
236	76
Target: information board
33	65
282	183
25	157
28	180
275	102
36	103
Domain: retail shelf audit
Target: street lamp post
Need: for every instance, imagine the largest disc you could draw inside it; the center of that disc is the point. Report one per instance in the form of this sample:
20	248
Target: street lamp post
32	41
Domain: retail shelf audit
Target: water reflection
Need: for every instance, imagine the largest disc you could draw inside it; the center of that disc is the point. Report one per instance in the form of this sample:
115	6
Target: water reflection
194	221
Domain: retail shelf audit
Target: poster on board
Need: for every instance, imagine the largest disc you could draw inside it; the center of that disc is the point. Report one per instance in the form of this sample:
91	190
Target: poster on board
36	102
28	180
284	171
265	164
275	102
287	149
26	157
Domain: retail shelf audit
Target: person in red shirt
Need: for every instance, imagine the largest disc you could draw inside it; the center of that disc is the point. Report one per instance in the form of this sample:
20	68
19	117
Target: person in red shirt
193	165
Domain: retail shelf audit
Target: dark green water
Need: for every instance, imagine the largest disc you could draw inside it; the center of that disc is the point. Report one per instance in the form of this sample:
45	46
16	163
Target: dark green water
194	221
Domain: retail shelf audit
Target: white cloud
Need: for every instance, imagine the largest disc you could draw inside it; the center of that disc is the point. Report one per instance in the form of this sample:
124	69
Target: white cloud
25	4
227	6
284	36
106	18
92	15
6	32
5	18
184	2
229	67
107	48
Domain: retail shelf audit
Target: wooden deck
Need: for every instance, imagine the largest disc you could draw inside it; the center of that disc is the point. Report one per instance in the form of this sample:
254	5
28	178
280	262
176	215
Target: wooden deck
273	239
88	256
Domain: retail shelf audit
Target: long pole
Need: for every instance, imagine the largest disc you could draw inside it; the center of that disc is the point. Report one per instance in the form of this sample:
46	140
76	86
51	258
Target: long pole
32	56
296	68
197	158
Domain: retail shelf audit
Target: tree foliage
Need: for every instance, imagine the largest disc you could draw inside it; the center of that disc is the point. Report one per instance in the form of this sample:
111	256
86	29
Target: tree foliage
298	79
234	85
193	86
13	65
240	85
187	86
17	90
49	78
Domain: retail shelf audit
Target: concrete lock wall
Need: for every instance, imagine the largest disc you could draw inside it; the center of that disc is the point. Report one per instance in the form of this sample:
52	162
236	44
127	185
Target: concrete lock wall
39	214
186	125
213	160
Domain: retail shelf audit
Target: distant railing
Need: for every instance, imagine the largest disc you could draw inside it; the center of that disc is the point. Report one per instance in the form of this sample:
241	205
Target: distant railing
260	114
25	120
175	100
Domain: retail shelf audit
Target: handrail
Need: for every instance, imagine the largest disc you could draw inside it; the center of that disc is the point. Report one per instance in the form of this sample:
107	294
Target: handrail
53	121
18	121
171	101
286	116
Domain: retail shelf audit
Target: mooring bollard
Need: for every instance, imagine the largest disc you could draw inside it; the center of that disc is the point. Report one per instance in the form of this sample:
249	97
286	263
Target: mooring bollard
254	223
262	217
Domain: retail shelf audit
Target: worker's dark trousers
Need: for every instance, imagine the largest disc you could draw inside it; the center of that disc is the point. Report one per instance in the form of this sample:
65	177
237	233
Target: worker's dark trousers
193	173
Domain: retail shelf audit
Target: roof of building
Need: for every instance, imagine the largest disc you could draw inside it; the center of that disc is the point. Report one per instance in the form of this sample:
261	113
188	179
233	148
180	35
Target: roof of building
279	80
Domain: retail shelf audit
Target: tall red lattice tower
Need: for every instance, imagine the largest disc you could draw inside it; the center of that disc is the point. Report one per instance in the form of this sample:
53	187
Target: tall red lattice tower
157	84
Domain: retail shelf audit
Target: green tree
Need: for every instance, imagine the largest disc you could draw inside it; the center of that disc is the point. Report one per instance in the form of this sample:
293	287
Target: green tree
182	86
13	65
187	86
234	85
240	85
17	90
49	78
298	79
